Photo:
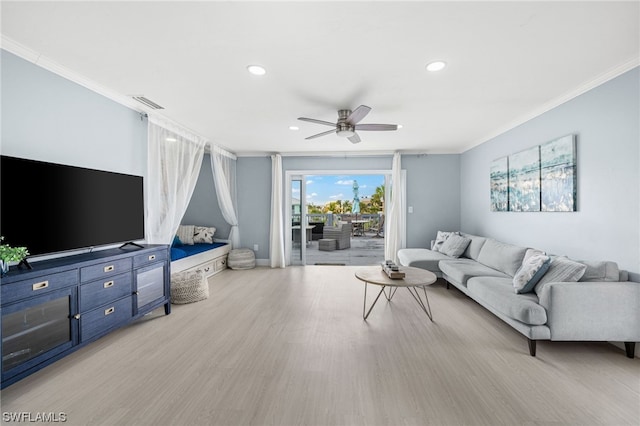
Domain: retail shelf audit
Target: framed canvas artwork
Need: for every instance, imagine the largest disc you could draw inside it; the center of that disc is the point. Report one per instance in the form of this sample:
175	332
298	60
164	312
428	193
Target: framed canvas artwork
558	175
524	181
499	182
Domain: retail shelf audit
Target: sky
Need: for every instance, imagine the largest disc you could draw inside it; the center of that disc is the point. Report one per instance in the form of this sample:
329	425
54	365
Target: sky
322	189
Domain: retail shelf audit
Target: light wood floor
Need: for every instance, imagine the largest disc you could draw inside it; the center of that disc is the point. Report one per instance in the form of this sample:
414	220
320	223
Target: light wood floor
290	347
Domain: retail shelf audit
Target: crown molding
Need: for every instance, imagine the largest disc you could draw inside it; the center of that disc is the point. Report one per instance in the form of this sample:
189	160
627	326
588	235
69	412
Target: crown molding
36	58
548	106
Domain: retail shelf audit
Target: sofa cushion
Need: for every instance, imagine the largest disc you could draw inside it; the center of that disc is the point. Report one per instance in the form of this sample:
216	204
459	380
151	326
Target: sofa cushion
460	270
498	293
441	237
421	258
504	257
473	249
532	270
600	271
455	245
562	269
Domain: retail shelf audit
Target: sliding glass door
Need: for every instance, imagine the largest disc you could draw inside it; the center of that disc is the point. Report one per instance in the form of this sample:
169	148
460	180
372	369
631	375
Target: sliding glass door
297	221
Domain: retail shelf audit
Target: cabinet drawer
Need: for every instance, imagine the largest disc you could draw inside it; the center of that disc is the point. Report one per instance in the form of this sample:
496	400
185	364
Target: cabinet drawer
103	291
221	263
37	286
208	268
104	318
149	257
105	269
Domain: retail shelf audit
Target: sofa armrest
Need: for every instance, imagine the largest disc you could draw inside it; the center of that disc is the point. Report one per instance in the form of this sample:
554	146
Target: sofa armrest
598	311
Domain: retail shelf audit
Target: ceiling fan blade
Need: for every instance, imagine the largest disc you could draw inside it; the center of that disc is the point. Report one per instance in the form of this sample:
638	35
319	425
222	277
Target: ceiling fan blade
313	120
355	138
358	114
328	132
376	127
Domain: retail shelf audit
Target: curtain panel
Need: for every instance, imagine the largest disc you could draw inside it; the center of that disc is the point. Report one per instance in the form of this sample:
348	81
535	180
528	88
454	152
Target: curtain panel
276	230
223	165
173	165
394	224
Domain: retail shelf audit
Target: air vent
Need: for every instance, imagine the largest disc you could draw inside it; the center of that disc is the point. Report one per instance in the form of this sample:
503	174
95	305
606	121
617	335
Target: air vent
147	102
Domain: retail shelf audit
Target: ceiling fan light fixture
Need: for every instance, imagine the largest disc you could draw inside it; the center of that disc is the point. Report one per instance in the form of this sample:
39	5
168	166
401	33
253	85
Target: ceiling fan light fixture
256	70
346	133
436	66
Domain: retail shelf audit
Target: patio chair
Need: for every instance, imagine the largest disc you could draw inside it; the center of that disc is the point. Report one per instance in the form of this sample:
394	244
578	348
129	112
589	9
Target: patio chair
340	233
379	228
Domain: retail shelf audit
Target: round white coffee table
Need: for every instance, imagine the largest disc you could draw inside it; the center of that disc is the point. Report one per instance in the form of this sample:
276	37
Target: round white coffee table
414	278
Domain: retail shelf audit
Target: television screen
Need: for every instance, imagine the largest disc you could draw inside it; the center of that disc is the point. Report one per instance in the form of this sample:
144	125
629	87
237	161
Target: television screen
51	208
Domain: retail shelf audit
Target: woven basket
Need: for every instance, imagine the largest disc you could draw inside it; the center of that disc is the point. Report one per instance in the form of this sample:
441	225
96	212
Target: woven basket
188	287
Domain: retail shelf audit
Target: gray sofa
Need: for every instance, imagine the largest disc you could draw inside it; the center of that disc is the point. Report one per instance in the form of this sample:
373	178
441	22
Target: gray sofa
599	305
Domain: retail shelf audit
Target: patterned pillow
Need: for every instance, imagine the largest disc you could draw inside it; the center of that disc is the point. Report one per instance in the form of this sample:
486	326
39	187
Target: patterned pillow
455	245
185	234
441	237
203	234
532	270
562	269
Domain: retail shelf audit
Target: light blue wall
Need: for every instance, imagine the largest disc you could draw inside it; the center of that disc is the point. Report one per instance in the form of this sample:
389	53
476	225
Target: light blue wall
433	190
254	202
607	223
49	118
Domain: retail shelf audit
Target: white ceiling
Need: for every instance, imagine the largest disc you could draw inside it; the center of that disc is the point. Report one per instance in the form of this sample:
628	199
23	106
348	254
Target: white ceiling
507	62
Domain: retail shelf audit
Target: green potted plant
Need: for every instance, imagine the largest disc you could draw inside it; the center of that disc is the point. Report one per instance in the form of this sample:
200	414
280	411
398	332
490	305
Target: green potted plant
10	254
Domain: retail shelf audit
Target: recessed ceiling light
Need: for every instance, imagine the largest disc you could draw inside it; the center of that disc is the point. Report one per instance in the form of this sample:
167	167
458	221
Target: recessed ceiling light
294	128
256	70
436	66
171	140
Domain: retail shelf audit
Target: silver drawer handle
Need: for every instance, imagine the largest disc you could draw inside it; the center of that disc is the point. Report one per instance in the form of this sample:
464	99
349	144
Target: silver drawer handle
109	268
108	284
110	310
152	257
40	285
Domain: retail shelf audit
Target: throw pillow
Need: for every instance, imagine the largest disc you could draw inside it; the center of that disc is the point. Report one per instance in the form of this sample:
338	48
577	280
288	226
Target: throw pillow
176	242
203	234
562	269
185	234
455	245
441	237
531	271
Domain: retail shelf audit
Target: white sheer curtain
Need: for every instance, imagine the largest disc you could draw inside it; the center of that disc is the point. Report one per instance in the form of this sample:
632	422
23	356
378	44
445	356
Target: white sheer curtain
276	231
174	160
395	227
223	165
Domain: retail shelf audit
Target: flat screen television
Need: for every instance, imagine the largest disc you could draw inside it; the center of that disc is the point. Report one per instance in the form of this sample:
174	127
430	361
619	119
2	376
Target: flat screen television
52	208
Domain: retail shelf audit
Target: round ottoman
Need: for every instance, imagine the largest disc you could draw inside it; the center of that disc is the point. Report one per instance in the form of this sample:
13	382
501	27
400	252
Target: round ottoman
241	259
188	287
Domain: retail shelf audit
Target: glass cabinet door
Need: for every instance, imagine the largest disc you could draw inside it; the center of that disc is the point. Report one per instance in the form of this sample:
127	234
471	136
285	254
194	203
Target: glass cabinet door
37	328
149	285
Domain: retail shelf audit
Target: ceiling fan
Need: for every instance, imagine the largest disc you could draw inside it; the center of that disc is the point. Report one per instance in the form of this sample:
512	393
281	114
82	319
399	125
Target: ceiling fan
348	124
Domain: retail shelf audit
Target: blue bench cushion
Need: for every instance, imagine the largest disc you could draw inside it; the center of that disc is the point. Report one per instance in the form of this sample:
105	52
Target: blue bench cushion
189	250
